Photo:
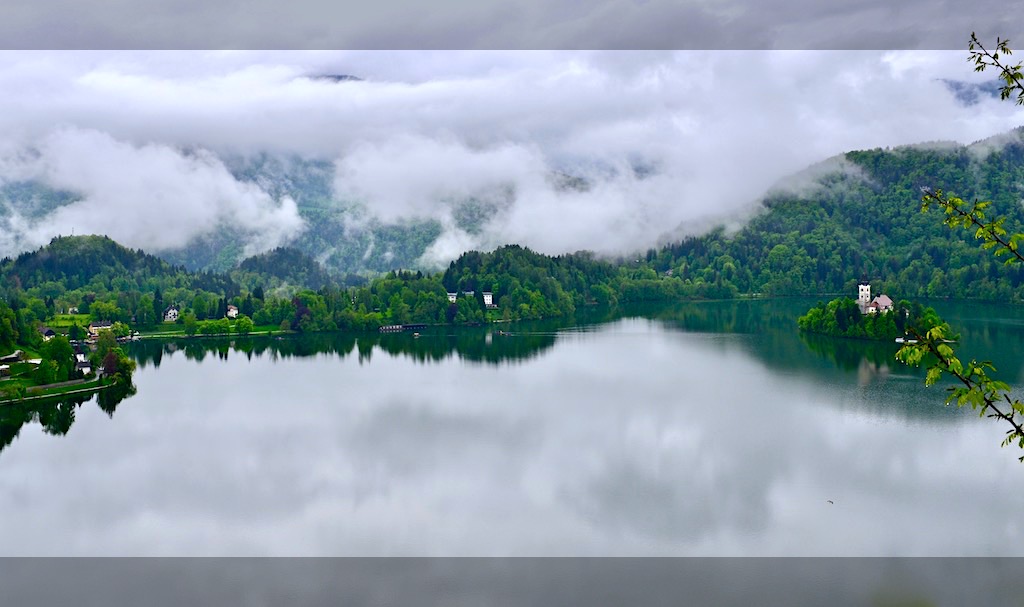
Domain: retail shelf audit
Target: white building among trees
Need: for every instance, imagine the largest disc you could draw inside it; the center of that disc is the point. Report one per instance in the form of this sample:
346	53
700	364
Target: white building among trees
881	304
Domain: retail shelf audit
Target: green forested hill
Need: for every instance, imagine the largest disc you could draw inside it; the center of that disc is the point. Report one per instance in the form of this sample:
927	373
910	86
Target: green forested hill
863	220
97	262
290	266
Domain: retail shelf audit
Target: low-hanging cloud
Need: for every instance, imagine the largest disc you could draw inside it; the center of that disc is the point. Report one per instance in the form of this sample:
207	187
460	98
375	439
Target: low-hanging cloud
665	143
413	176
150	196
526	198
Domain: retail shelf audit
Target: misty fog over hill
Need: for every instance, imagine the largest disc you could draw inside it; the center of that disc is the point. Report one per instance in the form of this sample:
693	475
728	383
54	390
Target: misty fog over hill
208	158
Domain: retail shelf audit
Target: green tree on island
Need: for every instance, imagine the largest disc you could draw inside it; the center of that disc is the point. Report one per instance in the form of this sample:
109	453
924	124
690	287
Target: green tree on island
842	317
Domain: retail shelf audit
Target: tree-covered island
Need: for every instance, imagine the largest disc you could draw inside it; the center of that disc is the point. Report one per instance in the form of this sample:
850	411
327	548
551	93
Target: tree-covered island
877	319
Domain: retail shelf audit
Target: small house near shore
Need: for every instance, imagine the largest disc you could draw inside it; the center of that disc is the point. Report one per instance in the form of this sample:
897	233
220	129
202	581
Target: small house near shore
99	325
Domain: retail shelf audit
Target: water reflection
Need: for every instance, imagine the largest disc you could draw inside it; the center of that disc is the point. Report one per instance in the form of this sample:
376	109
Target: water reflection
477	345
714	429
56	415
739	316
872	361
988	332
767	329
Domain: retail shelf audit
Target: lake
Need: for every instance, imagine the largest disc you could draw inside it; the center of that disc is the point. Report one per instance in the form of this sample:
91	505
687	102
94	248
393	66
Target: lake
688	430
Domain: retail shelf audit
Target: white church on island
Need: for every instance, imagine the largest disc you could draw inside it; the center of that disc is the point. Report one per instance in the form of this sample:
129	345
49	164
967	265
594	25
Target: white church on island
879	305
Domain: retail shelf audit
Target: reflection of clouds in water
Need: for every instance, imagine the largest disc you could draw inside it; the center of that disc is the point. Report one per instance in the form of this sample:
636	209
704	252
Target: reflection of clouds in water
631	440
684	501
401	439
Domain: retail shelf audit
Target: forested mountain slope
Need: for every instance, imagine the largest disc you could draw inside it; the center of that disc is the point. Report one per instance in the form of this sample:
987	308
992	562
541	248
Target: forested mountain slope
862	219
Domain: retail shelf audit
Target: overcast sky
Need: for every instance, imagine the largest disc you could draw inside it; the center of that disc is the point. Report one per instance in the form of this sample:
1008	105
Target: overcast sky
714	128
490	24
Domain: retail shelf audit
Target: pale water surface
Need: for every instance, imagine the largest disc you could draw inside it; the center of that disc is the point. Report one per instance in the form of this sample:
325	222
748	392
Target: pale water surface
699	429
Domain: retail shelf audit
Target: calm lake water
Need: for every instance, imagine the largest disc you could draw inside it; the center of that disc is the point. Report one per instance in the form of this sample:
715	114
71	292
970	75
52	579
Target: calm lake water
697	429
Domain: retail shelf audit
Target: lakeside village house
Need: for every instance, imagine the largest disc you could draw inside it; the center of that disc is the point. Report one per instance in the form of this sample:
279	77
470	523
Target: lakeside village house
99	325
880	304
172	313
488	298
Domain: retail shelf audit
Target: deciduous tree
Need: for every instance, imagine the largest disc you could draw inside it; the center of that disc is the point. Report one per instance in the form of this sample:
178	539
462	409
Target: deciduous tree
973	385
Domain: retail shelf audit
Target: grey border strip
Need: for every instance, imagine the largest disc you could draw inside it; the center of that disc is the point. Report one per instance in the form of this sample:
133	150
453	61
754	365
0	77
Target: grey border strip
494	24
512	581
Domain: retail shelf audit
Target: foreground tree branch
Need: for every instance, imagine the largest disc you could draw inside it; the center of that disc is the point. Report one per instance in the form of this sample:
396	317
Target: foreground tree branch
973	385
990	397
982	58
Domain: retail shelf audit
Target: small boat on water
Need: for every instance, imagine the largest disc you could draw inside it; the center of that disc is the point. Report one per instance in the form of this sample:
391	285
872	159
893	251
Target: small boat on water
904	340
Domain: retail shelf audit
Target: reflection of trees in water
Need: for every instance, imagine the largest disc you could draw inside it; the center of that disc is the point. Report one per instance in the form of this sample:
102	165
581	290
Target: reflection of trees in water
56	418
109	399
873	361
738	316
57	415
851	354
778	343
771	337
478	344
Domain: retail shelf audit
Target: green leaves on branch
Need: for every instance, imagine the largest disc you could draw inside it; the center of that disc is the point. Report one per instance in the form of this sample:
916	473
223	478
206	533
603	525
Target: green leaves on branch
974	386
961	214
982	58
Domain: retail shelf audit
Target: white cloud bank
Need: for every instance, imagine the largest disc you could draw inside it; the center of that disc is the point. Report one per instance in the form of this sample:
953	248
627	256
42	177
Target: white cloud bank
150	196
711	132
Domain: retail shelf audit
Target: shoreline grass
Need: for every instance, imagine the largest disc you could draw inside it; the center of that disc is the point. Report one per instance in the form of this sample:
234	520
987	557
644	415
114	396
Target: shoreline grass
35	393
